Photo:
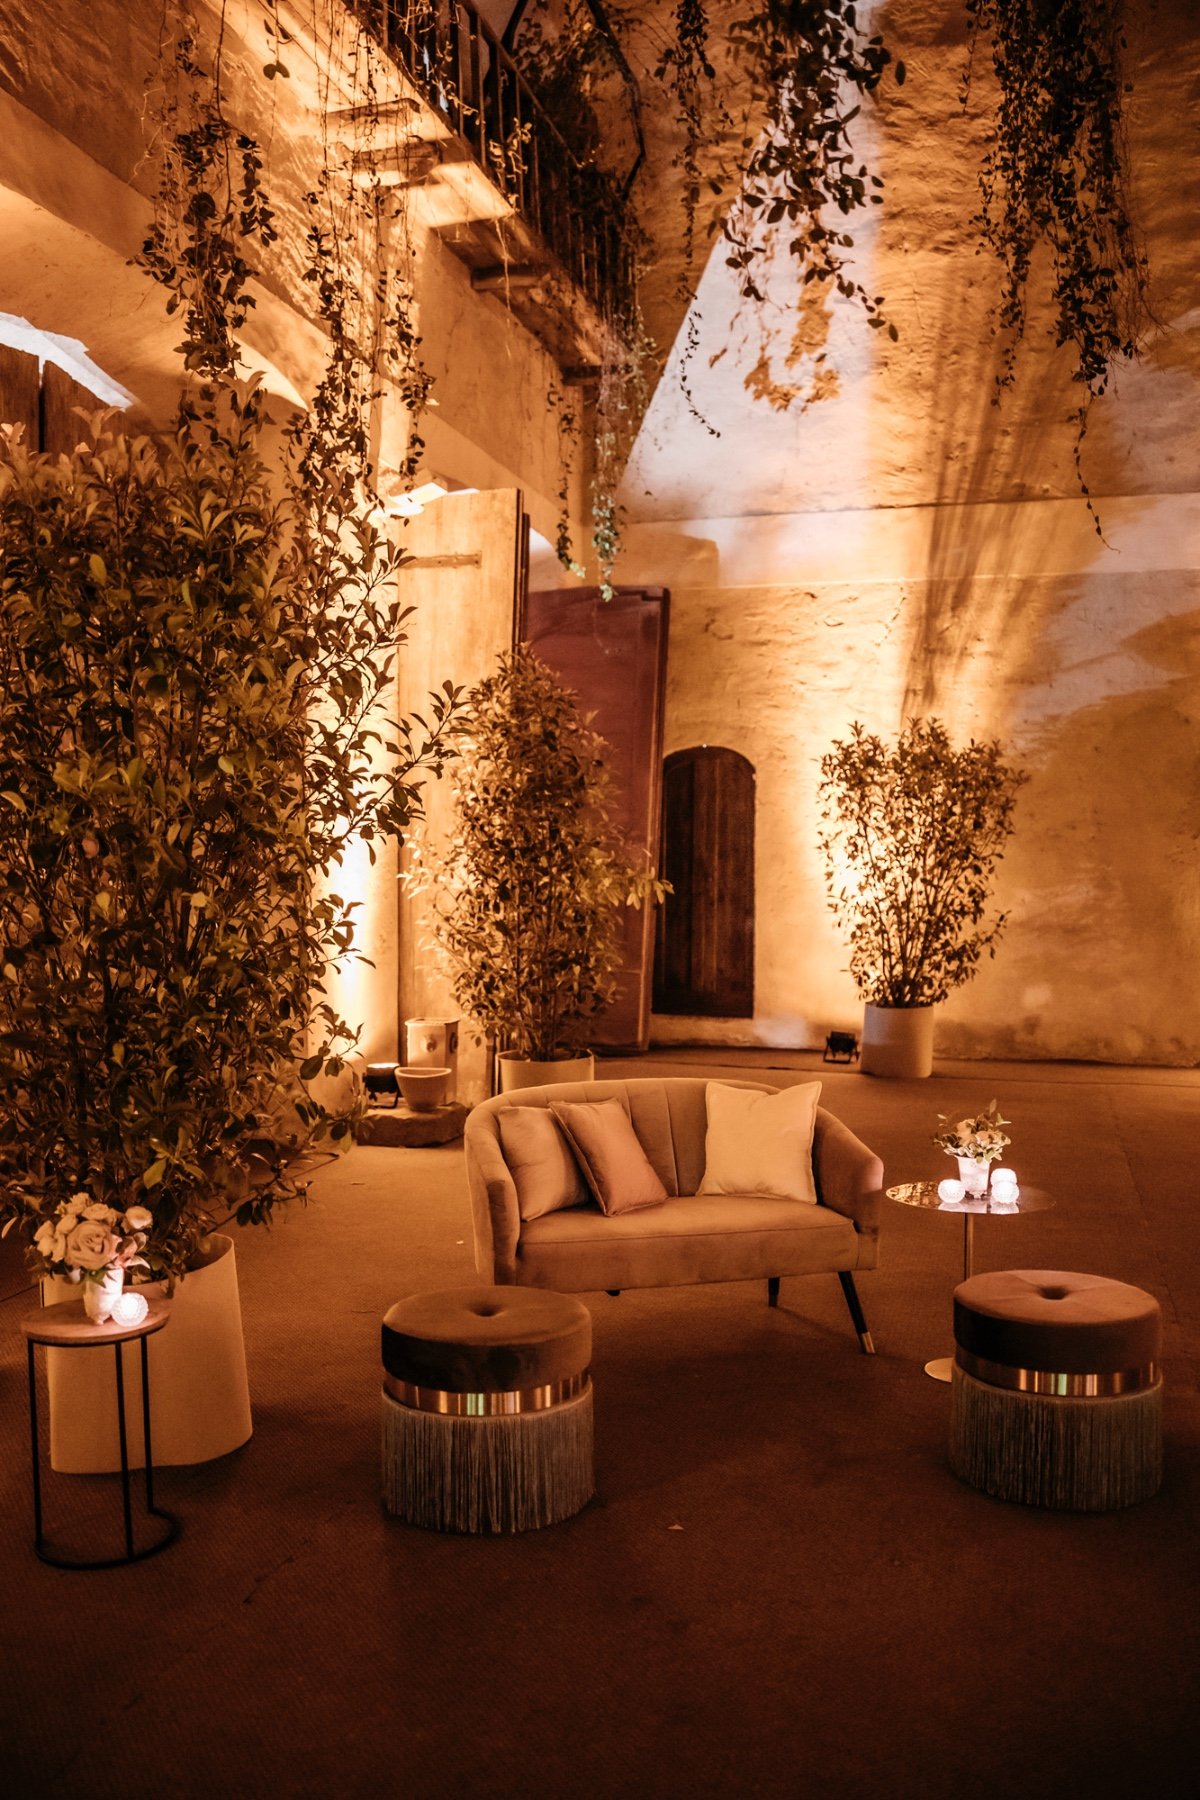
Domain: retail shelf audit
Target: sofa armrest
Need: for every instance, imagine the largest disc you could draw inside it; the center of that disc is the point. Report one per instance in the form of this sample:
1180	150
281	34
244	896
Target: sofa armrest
848	1175
495	1218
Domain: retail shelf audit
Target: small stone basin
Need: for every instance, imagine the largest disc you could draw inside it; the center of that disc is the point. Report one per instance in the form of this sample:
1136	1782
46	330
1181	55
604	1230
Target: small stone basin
422	1088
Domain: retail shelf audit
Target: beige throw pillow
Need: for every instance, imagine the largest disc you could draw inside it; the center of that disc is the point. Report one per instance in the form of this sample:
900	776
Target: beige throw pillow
539	1159
760	1143
614	1164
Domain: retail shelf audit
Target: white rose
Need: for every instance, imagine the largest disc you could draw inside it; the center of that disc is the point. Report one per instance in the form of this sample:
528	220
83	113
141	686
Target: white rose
90	1246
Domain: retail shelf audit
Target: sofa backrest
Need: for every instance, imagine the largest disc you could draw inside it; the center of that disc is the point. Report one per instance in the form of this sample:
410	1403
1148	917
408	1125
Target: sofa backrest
668	1115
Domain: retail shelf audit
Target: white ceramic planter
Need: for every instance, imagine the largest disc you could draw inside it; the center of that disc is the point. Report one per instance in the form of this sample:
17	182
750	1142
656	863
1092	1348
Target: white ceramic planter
898	1042
199	1396
521	1072
433	1043
422	1089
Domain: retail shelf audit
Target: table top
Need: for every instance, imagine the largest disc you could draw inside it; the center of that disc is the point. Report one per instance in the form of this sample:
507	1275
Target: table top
67	1326
925	1194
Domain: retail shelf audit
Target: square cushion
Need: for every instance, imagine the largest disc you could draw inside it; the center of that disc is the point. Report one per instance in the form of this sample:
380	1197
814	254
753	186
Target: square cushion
614	1164
760	1143
540	1162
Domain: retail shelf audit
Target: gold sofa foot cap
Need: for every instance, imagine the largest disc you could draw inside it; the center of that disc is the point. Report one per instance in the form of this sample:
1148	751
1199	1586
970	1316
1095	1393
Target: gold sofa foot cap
867	1342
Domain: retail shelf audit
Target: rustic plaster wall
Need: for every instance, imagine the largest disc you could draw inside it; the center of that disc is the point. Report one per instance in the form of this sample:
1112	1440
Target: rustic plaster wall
868	536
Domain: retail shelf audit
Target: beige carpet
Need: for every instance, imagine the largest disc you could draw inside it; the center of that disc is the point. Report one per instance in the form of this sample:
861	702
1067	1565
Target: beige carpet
779	1590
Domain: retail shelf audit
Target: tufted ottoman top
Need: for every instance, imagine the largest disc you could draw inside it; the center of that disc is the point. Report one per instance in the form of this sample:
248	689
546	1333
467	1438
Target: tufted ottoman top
487	1340
1055	1319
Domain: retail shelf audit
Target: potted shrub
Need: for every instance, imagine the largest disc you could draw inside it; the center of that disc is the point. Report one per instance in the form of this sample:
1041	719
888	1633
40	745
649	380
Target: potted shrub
913	833
529	882
194	643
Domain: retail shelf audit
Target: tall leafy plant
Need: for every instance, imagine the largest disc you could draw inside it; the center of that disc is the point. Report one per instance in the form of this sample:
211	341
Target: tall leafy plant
912	835
194	650
532	879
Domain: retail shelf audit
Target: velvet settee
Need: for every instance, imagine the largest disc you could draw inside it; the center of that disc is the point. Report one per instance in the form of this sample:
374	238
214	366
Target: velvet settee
687	1236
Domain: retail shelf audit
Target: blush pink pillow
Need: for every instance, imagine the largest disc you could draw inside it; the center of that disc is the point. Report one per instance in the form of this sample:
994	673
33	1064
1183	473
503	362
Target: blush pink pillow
606	1147
544	1171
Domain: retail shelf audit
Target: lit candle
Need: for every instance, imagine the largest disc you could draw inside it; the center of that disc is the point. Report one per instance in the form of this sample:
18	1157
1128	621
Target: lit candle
950	1192
1004	1187
130	1309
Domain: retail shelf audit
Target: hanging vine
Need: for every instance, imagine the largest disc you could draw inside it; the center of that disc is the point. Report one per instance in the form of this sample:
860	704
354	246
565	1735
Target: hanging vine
1057	177
803	169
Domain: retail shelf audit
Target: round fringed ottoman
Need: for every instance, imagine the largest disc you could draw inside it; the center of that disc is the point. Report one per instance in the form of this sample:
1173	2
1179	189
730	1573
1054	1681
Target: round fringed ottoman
487	1409
1056	1396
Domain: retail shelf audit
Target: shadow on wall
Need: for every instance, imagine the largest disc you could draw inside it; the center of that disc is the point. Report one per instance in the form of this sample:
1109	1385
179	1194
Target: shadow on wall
1103	875
993	457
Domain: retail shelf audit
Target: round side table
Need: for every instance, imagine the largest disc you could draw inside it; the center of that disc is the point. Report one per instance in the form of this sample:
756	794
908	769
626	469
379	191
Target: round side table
67	1327
925	1195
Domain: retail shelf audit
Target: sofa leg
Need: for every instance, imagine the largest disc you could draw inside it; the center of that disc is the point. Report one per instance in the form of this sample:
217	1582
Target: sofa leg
615	1292
772	1290
856	1311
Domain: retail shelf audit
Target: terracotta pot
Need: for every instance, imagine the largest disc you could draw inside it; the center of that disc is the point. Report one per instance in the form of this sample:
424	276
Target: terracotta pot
522	1072
199	1397
898	1042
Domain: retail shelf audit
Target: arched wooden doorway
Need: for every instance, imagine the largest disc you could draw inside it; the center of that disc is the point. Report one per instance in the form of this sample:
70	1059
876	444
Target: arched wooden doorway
704	954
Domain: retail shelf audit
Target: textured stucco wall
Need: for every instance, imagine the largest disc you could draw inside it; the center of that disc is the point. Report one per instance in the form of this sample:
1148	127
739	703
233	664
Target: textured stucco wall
870	537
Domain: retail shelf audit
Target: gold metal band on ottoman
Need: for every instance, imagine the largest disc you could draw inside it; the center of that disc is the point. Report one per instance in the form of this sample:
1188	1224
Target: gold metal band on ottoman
1045	1381
482	1406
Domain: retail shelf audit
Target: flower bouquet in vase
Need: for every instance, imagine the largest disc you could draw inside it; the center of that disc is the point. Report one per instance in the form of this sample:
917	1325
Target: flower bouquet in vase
976	1143
87	1242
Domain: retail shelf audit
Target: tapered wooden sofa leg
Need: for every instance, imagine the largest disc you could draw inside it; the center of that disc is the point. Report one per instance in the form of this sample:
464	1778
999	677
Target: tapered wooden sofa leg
772	1290
856	1311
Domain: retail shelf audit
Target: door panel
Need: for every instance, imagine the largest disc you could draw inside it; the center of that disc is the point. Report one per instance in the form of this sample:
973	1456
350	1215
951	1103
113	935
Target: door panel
19	388
613	654
704	957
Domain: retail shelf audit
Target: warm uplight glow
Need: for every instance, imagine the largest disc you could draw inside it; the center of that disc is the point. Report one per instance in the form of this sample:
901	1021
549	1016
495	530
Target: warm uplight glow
67	354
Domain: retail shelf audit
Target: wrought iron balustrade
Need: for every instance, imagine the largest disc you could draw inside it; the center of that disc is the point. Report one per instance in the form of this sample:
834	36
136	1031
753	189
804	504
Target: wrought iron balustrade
459	64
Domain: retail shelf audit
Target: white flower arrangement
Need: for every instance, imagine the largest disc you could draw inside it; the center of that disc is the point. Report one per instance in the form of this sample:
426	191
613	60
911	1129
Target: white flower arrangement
981	1138
85	1240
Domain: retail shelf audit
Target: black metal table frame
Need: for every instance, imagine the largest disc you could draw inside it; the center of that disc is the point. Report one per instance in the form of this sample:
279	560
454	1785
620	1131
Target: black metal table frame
171	1522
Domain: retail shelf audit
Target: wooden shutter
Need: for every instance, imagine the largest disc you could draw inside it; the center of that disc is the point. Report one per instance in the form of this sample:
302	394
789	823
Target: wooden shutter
704	961
613	654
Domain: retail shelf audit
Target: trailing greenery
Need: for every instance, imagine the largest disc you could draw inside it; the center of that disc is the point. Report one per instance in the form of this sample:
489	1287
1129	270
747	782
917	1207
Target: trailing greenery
1056	176
913	833
529	886
800	55
194	650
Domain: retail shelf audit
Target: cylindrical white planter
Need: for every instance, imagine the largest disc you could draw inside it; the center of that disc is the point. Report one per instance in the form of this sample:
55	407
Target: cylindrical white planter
433	1043
520	1072
199	1396
898	1042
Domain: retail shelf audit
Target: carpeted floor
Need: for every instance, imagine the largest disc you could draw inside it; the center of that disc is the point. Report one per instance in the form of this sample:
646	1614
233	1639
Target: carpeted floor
779	1589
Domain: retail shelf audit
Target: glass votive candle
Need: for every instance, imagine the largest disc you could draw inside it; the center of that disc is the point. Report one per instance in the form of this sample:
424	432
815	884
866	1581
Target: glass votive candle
1004	1187
950	1192
130	1309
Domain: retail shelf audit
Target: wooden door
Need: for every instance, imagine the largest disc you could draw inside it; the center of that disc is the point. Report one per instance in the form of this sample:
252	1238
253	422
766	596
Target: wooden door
704	954
613	654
